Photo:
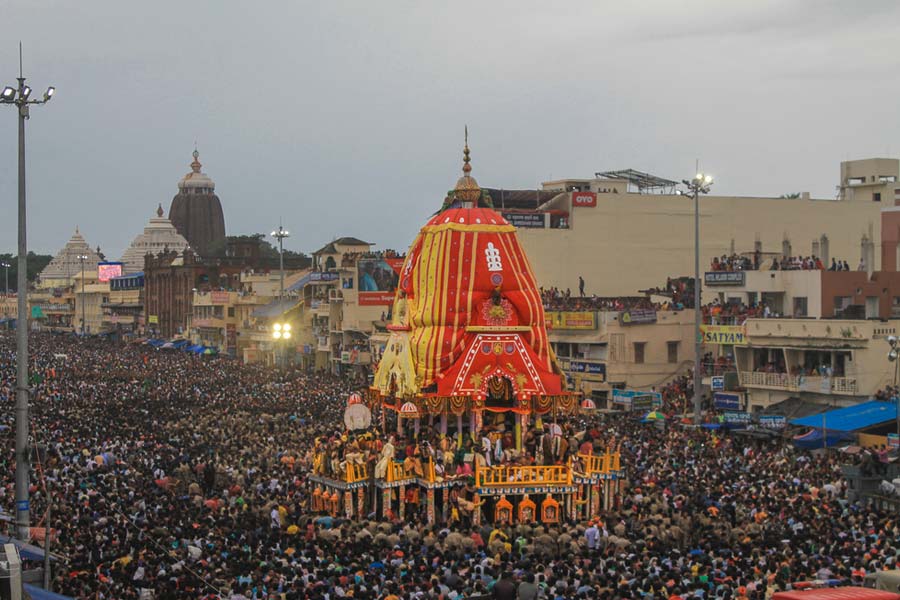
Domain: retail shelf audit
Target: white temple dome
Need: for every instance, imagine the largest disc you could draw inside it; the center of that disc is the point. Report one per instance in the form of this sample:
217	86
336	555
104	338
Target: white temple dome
158	235
197	180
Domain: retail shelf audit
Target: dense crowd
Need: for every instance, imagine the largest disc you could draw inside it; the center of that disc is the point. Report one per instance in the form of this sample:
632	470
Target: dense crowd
185	476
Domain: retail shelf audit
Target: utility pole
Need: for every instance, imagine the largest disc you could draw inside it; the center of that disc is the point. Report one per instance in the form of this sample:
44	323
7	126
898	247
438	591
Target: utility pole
700	184
19	97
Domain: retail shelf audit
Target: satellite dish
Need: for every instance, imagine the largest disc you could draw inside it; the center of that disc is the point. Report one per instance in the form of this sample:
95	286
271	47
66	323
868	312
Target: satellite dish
357	416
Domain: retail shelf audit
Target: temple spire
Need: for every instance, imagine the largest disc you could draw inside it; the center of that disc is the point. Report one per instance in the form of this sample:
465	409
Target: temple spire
467	189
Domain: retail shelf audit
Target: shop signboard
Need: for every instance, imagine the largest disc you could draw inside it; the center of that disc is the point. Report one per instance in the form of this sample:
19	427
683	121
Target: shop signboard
571	320
726	401
637	316
736	278
529	220
737	418
587	199
776	422
723	334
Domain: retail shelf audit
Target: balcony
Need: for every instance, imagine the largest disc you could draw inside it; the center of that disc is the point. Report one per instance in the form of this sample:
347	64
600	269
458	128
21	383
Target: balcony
798	383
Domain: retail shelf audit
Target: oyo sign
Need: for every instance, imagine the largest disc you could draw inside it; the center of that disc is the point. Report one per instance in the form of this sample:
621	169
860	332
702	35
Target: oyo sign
584	199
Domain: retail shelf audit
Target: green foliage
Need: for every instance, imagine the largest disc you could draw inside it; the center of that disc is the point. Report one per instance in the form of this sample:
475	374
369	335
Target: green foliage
36	264
791	196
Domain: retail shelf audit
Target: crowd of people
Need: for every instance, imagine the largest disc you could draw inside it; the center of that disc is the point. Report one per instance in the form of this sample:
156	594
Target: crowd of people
754	262
178	476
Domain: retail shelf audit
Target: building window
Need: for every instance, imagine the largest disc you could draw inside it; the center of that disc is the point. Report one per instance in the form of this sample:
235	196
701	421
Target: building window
872	307
672	350
800	306
230	312
639	352
876	196
895	307
840	303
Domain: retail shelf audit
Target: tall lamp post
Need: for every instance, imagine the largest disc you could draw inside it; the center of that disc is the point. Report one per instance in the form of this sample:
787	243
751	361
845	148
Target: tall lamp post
700	184
280	333
6	267
893	355
81	259
279	235
20	97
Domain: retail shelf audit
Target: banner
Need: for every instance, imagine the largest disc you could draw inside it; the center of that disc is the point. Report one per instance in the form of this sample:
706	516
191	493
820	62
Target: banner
153	319
562	320
772	422
531	220
637	316
377	280
588	199
723	401
723	334
219	297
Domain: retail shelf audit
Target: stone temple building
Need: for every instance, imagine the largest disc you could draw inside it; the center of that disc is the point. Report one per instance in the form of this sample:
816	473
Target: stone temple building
158	236
61	271
197	213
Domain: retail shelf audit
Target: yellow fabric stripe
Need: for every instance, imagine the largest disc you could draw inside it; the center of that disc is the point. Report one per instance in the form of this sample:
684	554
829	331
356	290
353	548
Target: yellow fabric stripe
476	227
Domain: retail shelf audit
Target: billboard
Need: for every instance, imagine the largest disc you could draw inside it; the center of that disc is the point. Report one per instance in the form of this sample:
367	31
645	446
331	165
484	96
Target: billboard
584	199
377	280
108	270
636	399
772	421
723	334
570	320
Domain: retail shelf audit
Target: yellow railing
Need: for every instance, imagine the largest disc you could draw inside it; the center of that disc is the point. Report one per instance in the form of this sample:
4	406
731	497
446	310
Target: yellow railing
395	472
356	473
510	475
604	464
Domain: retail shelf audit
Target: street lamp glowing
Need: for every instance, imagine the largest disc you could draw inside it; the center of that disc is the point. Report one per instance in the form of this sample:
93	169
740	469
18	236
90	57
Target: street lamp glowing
708	179
286	335
26	91
49	93
287	326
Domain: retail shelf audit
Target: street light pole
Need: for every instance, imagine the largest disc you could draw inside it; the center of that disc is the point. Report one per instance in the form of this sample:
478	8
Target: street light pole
6	267
700	184
18	97
82	258
280	234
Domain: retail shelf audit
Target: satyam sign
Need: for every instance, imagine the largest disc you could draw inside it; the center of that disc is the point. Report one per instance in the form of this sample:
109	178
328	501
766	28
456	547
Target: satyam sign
734	335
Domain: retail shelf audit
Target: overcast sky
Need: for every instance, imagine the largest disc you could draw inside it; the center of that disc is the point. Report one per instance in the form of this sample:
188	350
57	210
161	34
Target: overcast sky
346	118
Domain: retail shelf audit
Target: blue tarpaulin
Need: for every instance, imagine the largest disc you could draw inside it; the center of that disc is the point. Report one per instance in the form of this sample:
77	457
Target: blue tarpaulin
198	349
37	593
813	439
26	551
852	418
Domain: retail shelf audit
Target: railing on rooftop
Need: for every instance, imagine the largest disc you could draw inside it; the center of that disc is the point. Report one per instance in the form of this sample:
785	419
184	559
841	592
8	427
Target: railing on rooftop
800	383
504	476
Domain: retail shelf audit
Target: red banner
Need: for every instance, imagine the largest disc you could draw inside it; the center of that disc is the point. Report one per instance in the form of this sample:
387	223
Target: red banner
584	199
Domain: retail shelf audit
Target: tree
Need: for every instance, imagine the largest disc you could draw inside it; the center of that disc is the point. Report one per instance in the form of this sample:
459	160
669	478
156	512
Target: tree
36	264
791	196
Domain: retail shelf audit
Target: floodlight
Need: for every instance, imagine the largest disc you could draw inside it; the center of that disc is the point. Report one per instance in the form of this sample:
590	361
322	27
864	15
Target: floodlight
8	94
26	91
49	93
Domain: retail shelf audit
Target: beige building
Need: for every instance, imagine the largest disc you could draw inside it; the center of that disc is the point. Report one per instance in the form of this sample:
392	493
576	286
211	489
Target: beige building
626	231
344	306
89	299
640	350
835	361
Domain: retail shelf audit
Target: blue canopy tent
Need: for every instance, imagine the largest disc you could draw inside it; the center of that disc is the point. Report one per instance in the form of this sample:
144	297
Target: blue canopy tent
851	418
156	343
179	344
37	593
198	349
840	423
